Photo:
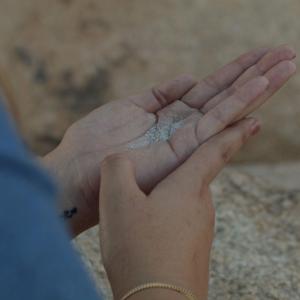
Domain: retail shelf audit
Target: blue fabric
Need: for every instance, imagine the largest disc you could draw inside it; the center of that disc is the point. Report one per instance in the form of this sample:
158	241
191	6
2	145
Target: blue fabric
37	261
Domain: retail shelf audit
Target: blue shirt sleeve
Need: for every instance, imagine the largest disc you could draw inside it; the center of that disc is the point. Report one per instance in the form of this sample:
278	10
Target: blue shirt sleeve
36	258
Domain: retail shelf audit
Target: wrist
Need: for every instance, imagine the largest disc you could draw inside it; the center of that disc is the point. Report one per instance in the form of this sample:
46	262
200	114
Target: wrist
69	203
196	284
159	294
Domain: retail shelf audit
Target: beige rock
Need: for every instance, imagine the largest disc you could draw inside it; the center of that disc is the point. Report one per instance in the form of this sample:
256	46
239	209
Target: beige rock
256	250
283	175
66	57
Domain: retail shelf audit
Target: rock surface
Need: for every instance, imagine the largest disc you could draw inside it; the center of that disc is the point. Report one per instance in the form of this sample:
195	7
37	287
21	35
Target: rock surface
66	57
284	175
256	250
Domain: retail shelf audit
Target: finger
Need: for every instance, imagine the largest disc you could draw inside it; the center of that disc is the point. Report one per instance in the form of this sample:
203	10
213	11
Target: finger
118	181
198	128
228	111
158	160
265	64
164	94
268	61
210	158
221	79
277	77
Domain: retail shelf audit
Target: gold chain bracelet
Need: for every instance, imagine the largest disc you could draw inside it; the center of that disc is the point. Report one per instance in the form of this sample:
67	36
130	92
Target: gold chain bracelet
157	285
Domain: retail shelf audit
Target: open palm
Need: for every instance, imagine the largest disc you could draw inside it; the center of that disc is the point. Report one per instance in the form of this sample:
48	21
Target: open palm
203	108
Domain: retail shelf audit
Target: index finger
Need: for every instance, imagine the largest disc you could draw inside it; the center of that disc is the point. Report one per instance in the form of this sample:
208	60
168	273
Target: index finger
163	94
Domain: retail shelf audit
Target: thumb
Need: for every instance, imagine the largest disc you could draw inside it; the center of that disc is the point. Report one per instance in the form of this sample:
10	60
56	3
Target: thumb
118	182
211	157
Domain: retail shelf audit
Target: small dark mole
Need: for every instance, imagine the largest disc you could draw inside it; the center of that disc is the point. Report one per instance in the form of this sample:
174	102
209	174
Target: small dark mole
74	210
68	214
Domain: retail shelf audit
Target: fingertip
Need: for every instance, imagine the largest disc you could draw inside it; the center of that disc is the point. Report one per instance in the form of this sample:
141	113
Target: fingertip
290	50
263	81
291	67
258	85
285	69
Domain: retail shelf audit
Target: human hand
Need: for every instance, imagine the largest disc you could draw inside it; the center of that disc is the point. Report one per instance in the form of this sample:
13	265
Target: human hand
166	236
224	97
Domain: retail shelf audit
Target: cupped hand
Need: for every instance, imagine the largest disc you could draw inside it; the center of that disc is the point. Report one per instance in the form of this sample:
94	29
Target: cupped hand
165	236
205	108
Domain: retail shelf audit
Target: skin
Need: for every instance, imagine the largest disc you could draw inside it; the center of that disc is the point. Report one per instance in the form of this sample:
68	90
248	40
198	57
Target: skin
228	95
165	236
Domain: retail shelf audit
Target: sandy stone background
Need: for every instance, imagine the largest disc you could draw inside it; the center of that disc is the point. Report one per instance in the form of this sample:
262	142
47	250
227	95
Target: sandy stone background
64	58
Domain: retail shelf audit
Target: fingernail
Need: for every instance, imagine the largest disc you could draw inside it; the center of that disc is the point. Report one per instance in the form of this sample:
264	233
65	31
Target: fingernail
255	128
